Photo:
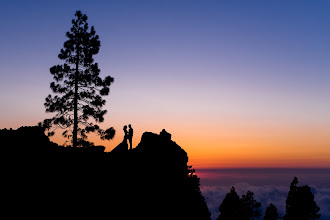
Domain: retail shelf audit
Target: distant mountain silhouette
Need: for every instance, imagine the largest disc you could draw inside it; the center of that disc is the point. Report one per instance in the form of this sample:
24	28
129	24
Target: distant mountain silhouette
151	181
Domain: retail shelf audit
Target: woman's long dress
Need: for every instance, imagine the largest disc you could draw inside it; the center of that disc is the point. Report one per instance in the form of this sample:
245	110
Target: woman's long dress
123	146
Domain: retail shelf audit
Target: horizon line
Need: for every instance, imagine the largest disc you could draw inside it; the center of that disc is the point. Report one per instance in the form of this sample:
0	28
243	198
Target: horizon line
261	168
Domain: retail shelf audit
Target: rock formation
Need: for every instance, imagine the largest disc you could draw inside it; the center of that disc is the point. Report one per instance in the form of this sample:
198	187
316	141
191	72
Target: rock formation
148	182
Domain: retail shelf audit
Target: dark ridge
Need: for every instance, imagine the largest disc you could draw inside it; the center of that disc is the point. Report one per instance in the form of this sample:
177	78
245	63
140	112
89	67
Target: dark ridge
151	181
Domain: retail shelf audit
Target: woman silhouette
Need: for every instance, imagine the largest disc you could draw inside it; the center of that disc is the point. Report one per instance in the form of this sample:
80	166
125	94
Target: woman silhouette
126	134
123	146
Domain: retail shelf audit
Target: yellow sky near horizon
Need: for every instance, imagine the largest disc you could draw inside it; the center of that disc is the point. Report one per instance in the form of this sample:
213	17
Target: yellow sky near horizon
237	144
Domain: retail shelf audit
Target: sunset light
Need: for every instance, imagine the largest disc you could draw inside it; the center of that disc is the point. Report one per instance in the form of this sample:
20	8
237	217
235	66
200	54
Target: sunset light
233	93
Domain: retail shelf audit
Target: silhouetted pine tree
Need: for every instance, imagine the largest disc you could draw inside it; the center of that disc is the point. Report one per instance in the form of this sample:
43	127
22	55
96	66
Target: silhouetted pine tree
79	85
233	207
300	203
250	206
271	213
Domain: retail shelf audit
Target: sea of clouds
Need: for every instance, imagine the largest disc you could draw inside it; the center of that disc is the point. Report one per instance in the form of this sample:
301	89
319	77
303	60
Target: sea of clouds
266	194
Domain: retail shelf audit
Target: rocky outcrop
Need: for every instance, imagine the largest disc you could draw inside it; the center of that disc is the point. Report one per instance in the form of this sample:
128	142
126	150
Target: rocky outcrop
154	177
148	182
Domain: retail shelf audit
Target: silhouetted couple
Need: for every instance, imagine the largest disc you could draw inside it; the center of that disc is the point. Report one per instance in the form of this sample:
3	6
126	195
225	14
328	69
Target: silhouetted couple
128	135
123	146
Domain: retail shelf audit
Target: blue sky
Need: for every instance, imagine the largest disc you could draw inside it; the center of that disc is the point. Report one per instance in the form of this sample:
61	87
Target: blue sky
221	73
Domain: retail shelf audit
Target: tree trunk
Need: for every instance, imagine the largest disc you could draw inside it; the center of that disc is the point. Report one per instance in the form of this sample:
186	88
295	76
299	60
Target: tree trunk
75	110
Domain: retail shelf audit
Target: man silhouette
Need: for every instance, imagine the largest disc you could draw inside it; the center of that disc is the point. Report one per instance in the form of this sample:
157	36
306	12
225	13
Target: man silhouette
130	136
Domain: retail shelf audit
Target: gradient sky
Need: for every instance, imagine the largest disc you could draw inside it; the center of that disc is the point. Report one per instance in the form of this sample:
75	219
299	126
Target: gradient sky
237	83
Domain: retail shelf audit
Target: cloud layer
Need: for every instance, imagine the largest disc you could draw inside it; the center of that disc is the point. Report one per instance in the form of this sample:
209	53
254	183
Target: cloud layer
265	194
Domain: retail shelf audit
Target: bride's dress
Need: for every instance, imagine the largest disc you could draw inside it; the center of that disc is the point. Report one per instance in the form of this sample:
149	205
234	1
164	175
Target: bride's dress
123	146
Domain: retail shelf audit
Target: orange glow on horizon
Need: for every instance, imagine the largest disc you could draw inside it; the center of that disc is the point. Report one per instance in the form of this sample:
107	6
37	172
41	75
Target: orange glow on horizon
248	145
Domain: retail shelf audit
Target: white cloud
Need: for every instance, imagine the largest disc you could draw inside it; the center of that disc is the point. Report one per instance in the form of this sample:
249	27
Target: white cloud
264	194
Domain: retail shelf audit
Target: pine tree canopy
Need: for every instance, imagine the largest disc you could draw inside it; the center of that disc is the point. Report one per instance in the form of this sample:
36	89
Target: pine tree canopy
78	87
